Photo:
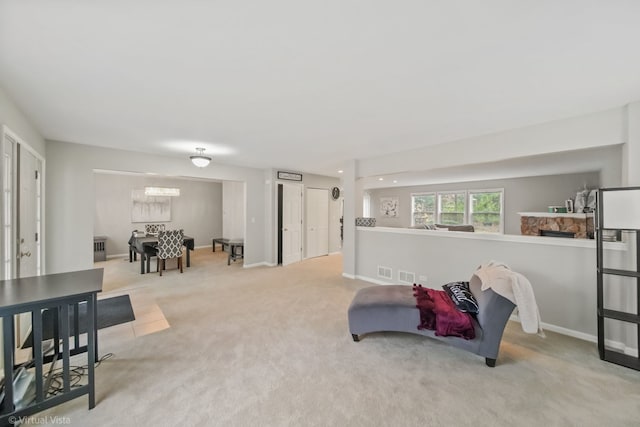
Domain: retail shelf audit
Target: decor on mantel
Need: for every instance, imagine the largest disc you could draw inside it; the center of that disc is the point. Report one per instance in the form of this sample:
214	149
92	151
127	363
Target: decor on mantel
365	222
585	201
199	159
389	207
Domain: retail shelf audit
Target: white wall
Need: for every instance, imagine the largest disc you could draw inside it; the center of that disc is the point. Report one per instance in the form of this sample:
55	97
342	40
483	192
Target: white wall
233	214
198	209
631	171
71	197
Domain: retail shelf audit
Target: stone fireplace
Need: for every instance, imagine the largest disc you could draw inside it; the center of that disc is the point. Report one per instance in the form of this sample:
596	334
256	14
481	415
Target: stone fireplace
556	224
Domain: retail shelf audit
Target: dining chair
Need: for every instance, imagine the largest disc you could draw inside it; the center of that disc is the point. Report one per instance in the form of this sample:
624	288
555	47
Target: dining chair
170	243
133	253
153	228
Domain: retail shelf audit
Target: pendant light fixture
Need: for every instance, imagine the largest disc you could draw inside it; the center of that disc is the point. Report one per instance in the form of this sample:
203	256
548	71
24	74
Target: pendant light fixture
199	159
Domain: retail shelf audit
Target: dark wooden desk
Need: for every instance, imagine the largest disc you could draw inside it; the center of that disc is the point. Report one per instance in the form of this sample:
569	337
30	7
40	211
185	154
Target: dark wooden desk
61	293
145	246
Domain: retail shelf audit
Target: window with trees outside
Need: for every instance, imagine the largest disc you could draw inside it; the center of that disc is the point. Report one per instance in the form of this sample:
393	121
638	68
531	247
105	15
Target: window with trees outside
423	209
485	210
481	208
452	208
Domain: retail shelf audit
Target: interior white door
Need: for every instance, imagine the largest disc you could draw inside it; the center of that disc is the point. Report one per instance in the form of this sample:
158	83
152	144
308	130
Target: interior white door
21	217
317	222
291	223
29	215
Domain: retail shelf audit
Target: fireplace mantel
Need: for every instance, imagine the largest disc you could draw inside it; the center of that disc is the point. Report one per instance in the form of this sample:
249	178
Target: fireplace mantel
557	215
537	223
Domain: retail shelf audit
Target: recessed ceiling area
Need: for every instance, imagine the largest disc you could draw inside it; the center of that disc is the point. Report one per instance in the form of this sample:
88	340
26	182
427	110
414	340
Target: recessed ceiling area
566	162
309	85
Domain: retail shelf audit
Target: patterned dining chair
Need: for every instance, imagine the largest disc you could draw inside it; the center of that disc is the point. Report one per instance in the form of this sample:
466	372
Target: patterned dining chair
133	253
153	228
170	244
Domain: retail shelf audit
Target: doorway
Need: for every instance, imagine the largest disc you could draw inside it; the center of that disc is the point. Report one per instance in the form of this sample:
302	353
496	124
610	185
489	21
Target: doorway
22	215
289	223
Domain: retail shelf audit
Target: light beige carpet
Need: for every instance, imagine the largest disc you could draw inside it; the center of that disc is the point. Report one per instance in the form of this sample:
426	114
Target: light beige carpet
271	346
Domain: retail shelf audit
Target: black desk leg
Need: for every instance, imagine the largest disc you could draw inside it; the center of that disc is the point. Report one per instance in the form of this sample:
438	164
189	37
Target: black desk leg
142	256
8	344
92	348
66	351
189	257
148	263
36	325
214	245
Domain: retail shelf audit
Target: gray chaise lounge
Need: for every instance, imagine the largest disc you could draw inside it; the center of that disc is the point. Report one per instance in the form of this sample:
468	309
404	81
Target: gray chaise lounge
393	308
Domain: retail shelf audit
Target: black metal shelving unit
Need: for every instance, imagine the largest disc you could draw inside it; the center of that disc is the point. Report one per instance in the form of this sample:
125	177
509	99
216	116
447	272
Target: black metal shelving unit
610	355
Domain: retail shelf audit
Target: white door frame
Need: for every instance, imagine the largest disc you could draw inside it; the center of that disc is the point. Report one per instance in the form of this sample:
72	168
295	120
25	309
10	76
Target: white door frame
7	132
276	211
23	321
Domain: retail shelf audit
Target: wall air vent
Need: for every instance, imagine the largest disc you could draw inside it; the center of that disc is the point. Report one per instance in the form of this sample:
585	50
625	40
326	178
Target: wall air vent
385	272
406	277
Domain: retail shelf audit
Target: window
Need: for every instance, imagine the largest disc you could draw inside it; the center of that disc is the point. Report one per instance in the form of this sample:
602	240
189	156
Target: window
366	204
423	209
452	207
485	210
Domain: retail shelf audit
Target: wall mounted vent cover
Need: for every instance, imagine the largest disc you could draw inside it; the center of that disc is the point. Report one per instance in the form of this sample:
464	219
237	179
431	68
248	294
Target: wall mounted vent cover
406	277
385	272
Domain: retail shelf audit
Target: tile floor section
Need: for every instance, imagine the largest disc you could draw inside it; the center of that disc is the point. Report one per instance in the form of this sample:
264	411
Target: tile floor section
149	317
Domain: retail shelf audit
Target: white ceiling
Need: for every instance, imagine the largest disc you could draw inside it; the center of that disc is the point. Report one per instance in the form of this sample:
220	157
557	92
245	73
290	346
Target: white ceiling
305	85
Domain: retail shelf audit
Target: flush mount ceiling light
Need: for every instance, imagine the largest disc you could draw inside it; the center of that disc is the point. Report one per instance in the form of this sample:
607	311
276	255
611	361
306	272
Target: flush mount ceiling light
200	160
161	191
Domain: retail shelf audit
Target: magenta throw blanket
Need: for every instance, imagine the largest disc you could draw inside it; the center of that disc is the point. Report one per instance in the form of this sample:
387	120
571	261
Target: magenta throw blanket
438	313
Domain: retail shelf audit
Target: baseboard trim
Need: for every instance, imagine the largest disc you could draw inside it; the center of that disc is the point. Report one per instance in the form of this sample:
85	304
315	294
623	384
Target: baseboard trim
369	279
349	276
118	256
258	264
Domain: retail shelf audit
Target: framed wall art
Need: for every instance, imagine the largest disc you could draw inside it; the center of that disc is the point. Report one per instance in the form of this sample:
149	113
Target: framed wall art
389	207
149	208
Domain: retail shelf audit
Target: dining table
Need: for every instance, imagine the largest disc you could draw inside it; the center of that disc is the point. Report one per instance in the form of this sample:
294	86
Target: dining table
146	247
